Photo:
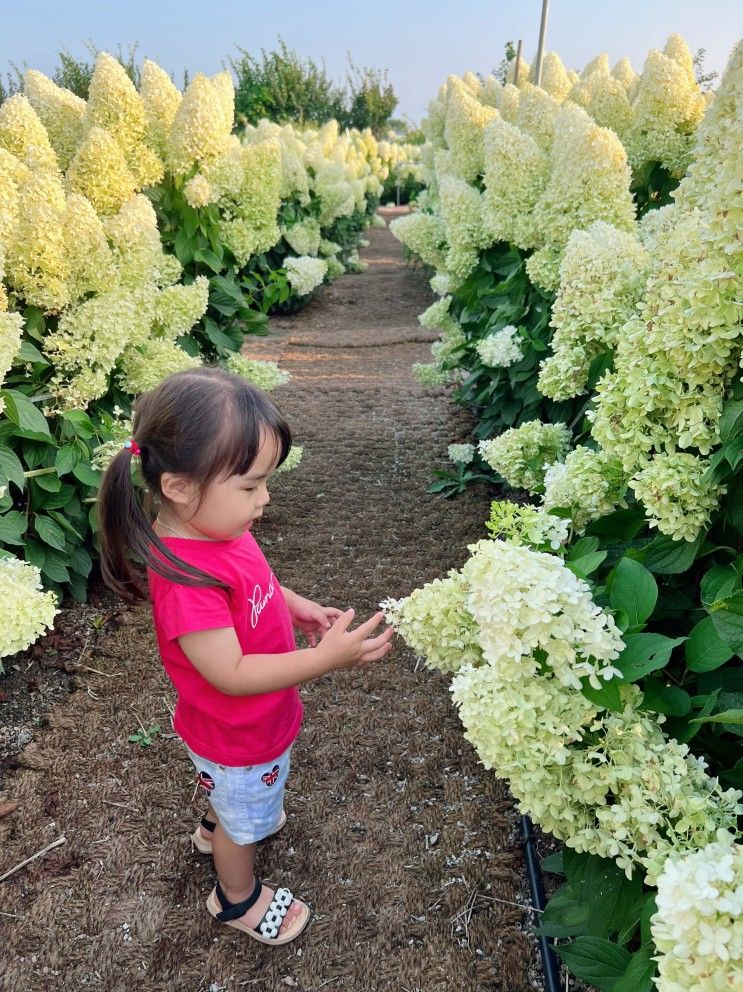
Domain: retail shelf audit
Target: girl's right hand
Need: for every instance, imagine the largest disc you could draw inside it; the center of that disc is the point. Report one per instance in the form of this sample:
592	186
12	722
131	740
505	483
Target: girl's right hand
344	648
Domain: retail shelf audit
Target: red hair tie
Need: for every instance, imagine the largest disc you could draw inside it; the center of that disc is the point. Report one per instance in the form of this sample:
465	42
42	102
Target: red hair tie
131	443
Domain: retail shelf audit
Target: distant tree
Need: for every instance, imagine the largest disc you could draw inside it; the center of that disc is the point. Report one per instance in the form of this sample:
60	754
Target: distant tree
75	74
372	98
13	83
282	86
704	79
501	70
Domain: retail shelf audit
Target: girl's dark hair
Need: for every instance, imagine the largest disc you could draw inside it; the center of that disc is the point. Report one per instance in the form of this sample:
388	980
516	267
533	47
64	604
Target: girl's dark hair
204	424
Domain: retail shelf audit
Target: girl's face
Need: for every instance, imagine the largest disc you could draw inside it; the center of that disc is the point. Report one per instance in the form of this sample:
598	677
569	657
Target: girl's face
231	506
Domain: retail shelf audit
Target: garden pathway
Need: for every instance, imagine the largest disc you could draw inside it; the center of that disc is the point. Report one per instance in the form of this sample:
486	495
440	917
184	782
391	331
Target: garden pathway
394	828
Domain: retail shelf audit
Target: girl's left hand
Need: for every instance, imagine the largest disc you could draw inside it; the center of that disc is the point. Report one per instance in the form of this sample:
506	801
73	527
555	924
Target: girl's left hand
312	619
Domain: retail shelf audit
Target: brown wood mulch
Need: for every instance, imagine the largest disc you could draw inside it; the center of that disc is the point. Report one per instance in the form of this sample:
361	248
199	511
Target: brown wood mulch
404	845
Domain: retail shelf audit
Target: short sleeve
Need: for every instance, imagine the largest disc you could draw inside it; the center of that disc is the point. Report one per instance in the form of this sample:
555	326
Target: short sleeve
186	609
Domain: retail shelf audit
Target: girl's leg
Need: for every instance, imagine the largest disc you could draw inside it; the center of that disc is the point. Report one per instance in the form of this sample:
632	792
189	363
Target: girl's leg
234	865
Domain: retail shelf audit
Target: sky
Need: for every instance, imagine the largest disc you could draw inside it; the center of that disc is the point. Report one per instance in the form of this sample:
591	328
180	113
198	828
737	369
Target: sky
419	43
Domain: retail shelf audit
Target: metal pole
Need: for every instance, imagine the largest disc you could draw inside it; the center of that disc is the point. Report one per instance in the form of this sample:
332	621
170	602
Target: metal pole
540	48
518	64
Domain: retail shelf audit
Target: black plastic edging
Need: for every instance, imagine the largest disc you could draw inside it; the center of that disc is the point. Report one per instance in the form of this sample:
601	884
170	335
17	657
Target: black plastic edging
549	961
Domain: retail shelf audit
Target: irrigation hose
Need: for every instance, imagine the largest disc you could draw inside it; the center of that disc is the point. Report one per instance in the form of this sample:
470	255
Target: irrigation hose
550	964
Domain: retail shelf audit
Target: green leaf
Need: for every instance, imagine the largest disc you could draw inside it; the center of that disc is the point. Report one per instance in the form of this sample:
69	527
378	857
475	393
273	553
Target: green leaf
12	527
583	546
728	621
11	469
718	583
553	862
29	420
49	483
67	458
667	699
608	696
50	532
55	566
87	474
183	247
583	566
734	717
668	557
65	524
639	974
731	420
622	525
29	353
633	590
81	561
80	422
705	650
596	960
645	653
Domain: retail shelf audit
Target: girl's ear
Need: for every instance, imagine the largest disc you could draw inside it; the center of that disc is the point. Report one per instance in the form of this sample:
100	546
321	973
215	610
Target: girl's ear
177	488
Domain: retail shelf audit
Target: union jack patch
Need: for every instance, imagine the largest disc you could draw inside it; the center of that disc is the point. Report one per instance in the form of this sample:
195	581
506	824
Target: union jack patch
205	781
270	777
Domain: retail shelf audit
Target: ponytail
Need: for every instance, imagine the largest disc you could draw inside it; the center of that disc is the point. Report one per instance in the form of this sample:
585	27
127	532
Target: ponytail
124	527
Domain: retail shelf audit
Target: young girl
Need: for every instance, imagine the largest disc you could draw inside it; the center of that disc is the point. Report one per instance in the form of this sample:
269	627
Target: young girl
206	444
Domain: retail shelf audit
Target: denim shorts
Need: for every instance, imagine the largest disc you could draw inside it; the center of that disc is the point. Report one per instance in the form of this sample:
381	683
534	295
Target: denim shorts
248	799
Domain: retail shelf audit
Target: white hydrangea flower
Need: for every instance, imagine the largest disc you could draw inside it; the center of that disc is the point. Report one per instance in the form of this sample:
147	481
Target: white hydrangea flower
679	500
430	375
529	525
305	273
501	349
461	454
264	375
589	483
522	454
292	459
28	612
697	926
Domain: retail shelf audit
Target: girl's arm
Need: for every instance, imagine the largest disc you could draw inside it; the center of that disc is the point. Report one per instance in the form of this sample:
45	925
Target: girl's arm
217	656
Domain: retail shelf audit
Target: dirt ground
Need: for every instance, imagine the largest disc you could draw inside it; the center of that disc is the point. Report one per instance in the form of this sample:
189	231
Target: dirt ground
397	837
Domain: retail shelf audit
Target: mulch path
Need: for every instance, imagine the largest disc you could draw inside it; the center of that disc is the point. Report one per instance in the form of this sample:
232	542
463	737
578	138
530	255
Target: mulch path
396	835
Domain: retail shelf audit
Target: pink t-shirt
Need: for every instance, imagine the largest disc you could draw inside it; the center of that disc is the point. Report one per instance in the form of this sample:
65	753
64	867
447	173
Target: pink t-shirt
231	730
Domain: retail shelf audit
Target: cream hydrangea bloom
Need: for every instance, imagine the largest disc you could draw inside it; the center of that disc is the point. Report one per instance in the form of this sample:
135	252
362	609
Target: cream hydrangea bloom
431	375
13	174
537	115
605	99
143	367
461	454
35	259
11	329
88	259
305	273
589	181
24	136
161	100
436	623
624	72
266	375
115	106
461	213
99	171
437	316
522	454
423	234
696	927
666	112
201	130
589	483
89	339
199	192
304	237
502	348
516	172
60	111
602	276
466	118
29	611
555	79
677	497
529	525
177	308
135	243
527	601
247	181
291	461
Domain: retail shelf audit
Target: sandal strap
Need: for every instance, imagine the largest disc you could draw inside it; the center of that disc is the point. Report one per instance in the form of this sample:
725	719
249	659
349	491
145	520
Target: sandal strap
234	910
274	915
208	824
